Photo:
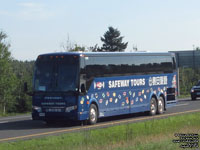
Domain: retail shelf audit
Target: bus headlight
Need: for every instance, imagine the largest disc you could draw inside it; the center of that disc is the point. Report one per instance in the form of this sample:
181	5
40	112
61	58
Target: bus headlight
192	90
36	108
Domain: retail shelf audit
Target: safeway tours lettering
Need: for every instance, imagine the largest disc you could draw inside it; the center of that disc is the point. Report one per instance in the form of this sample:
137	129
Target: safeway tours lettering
151	81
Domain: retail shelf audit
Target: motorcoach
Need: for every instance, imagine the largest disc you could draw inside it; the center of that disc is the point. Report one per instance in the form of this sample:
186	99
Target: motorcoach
89	86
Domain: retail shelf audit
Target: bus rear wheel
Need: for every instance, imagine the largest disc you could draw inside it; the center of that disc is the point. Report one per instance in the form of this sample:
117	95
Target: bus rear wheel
153	107
160	105
93	114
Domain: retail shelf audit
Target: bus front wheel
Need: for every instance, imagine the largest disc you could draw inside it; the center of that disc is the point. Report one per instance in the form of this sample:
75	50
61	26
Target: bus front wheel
153	107
93	114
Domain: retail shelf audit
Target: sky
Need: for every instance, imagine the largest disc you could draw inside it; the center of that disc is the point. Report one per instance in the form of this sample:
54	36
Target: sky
42	26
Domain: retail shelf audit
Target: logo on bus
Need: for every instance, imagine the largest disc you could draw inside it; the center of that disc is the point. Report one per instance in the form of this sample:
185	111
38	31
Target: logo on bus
174	81
160	80
99	85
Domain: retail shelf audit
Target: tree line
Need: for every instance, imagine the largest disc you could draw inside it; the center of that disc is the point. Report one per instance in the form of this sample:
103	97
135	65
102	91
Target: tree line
188	77
13	74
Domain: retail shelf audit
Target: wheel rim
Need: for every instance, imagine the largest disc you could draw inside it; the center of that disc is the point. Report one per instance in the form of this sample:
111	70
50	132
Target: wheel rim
160	105
93	115
153	107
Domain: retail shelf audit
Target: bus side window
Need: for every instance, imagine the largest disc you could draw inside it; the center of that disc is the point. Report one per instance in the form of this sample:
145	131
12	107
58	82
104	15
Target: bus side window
174	63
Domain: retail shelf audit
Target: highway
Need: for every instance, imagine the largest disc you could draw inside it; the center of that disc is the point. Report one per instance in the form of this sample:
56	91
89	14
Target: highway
23	127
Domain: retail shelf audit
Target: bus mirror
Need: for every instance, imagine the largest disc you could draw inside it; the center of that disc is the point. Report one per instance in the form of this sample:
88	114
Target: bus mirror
25	87
83	90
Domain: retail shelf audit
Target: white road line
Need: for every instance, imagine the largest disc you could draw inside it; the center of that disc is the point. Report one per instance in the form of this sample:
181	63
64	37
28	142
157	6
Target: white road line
182	104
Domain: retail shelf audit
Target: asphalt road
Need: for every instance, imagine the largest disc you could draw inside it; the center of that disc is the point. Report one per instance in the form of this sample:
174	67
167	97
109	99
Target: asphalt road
23	127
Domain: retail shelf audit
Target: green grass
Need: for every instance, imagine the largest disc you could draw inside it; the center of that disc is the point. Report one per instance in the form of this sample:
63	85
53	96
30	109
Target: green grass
152	135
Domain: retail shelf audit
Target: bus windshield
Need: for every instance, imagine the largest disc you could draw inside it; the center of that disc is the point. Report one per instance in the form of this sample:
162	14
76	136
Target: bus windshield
56	75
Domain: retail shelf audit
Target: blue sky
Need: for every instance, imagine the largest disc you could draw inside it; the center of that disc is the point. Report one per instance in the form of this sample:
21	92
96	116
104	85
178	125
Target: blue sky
41	26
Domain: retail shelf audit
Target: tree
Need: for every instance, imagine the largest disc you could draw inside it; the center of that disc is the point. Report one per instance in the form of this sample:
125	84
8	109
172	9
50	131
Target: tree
112	41
7	78
188	77
23	70
197	48
78	48
94	48
69	46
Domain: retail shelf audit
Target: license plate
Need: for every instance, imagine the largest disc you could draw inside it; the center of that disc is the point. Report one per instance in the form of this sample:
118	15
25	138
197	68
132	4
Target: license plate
42	114
54	110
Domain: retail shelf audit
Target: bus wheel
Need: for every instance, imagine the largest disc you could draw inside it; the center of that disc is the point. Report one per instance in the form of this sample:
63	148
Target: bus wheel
153	107
160	105
93	114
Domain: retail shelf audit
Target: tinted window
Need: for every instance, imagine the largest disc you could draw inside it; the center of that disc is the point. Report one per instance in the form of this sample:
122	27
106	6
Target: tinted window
128	65
56	73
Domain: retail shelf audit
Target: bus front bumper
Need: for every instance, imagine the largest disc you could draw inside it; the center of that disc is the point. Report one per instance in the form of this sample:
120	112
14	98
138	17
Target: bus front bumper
61	116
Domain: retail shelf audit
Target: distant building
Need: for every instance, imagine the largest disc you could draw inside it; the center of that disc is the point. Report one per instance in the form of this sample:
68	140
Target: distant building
190	58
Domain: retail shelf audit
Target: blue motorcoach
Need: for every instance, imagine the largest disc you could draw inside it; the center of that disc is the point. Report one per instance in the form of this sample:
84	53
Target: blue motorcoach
88	86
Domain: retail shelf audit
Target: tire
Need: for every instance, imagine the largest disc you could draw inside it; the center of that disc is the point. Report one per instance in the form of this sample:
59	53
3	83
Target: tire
93	114
153	107
161	106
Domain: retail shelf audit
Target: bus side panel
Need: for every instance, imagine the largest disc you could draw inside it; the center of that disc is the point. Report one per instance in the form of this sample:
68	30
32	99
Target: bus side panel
126	94
83	107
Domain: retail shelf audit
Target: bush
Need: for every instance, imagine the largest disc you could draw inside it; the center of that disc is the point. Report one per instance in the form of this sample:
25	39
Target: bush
188	77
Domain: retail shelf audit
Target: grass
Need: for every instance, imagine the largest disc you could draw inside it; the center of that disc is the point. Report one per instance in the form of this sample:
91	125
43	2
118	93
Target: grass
148	135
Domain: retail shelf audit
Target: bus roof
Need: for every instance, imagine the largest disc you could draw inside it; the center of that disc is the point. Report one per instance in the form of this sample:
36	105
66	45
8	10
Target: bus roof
110	54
